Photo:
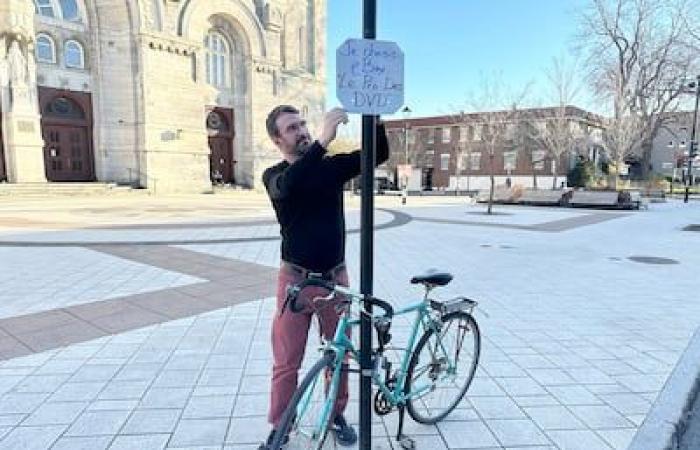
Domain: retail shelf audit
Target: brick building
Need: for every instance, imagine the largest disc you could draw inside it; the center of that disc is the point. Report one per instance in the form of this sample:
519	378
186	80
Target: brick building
453	151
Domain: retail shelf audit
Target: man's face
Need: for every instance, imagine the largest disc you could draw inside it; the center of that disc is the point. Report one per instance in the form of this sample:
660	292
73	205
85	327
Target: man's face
293	137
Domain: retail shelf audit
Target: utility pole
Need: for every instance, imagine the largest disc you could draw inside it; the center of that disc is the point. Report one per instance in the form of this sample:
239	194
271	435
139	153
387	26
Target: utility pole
369	145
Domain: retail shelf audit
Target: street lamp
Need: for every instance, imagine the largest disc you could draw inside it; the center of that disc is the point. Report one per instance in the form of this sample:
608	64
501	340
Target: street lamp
679	147
693	143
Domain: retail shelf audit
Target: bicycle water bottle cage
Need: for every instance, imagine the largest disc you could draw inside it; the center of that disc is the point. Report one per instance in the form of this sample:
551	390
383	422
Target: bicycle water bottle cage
452	305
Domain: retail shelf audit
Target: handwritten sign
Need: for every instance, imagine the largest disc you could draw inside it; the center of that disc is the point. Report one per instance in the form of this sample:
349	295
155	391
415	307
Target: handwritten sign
369	76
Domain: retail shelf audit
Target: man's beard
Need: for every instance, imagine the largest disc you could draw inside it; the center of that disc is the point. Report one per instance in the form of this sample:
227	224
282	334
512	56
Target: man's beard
302	147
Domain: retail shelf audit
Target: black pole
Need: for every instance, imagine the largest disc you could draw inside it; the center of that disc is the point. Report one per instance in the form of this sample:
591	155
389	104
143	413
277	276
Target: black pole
369	31
693	143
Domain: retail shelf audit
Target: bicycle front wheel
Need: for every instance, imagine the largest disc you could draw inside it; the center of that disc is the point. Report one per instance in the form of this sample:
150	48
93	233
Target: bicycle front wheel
307	418
442	367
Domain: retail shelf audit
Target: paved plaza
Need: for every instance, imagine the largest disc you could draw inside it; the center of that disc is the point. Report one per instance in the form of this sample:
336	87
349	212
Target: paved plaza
143	323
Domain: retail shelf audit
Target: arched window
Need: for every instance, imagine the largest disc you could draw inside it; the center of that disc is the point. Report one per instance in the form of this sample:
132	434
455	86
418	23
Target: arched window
73	55
45	49
217	59
69	10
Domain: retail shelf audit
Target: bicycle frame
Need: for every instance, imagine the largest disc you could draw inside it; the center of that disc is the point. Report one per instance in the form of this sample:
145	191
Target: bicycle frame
342	346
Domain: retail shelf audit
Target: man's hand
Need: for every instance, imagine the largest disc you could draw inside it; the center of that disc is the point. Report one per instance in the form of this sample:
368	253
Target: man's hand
331	120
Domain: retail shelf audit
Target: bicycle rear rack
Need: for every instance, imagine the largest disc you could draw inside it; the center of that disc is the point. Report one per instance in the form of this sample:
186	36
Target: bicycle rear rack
453	305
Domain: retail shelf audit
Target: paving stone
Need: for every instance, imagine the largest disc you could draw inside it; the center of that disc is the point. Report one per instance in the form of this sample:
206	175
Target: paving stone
31	438
144	421
98	423
209	407
517	432
248	430
16	403
85	391
83	443
554	418
480	436
497	408
148	441
199	432
160	398
600	416
577	440
55	413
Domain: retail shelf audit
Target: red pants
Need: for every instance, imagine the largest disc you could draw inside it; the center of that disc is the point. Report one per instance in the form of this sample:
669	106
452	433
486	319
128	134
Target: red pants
289	333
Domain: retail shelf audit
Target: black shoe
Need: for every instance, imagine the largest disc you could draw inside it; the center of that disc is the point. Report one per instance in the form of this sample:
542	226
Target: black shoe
267	445
344	433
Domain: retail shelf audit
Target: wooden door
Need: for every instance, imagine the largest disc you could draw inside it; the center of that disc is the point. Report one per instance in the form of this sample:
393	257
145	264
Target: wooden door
66	126
67	153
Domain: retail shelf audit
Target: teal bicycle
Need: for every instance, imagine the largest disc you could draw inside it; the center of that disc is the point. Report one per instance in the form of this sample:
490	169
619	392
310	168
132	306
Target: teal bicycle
434	370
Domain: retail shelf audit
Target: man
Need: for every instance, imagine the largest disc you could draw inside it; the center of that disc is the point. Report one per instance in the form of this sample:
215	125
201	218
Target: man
306	190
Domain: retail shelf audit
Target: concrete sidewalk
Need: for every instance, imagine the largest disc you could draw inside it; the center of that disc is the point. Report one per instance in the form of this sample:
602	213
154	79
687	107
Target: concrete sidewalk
151	331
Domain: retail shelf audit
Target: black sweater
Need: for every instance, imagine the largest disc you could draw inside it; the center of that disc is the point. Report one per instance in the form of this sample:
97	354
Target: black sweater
308	200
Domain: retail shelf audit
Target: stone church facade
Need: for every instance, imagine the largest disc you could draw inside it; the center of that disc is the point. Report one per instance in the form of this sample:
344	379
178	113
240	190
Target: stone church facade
166	93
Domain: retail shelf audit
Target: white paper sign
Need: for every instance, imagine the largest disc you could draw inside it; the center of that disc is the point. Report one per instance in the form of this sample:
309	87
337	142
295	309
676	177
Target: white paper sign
369	76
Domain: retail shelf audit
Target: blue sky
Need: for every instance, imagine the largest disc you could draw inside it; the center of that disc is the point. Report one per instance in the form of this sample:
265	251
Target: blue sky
450	45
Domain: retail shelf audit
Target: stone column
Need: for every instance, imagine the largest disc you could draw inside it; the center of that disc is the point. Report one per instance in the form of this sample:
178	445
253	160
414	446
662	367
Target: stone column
24	154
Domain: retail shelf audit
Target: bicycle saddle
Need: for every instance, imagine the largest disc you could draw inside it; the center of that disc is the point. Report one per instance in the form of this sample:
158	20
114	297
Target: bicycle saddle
433	278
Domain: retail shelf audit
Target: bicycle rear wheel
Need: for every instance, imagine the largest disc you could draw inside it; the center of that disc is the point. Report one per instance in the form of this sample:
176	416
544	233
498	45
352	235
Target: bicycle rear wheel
442	367
307	418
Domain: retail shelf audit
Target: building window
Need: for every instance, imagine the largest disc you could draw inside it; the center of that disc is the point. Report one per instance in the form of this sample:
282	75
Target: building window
45	8
446	135
430	136
538	159
429	158
444	161
59	9
217	59
69	10
463	133
45	49
475	161
74	55
509	160
476	135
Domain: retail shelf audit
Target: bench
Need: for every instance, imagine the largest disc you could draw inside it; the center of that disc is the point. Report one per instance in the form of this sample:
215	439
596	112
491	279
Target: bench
595	199
544	197
500	196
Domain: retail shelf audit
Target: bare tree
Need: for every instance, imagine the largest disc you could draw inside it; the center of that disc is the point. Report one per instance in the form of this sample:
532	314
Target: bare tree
495	114
639	59
554	128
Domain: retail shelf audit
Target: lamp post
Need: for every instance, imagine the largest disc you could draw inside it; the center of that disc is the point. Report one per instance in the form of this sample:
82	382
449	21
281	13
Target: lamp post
406	111
693	143
678	149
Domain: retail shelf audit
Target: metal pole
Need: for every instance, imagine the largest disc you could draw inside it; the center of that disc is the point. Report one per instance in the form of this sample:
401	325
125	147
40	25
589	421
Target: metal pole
693	144
369	145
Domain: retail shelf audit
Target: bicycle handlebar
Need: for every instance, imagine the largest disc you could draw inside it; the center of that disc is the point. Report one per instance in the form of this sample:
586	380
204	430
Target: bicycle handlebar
294	291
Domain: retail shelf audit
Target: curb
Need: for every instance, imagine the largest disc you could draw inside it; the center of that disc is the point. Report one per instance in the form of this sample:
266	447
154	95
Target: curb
668	417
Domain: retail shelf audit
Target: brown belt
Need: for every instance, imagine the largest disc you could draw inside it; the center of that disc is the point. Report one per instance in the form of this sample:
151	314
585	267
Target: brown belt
306	273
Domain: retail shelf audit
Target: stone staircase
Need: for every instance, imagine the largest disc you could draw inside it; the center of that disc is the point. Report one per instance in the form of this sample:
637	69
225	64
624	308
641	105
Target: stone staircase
67	189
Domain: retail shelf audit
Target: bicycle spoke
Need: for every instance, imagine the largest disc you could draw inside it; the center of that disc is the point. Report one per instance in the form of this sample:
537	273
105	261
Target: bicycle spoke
448	360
